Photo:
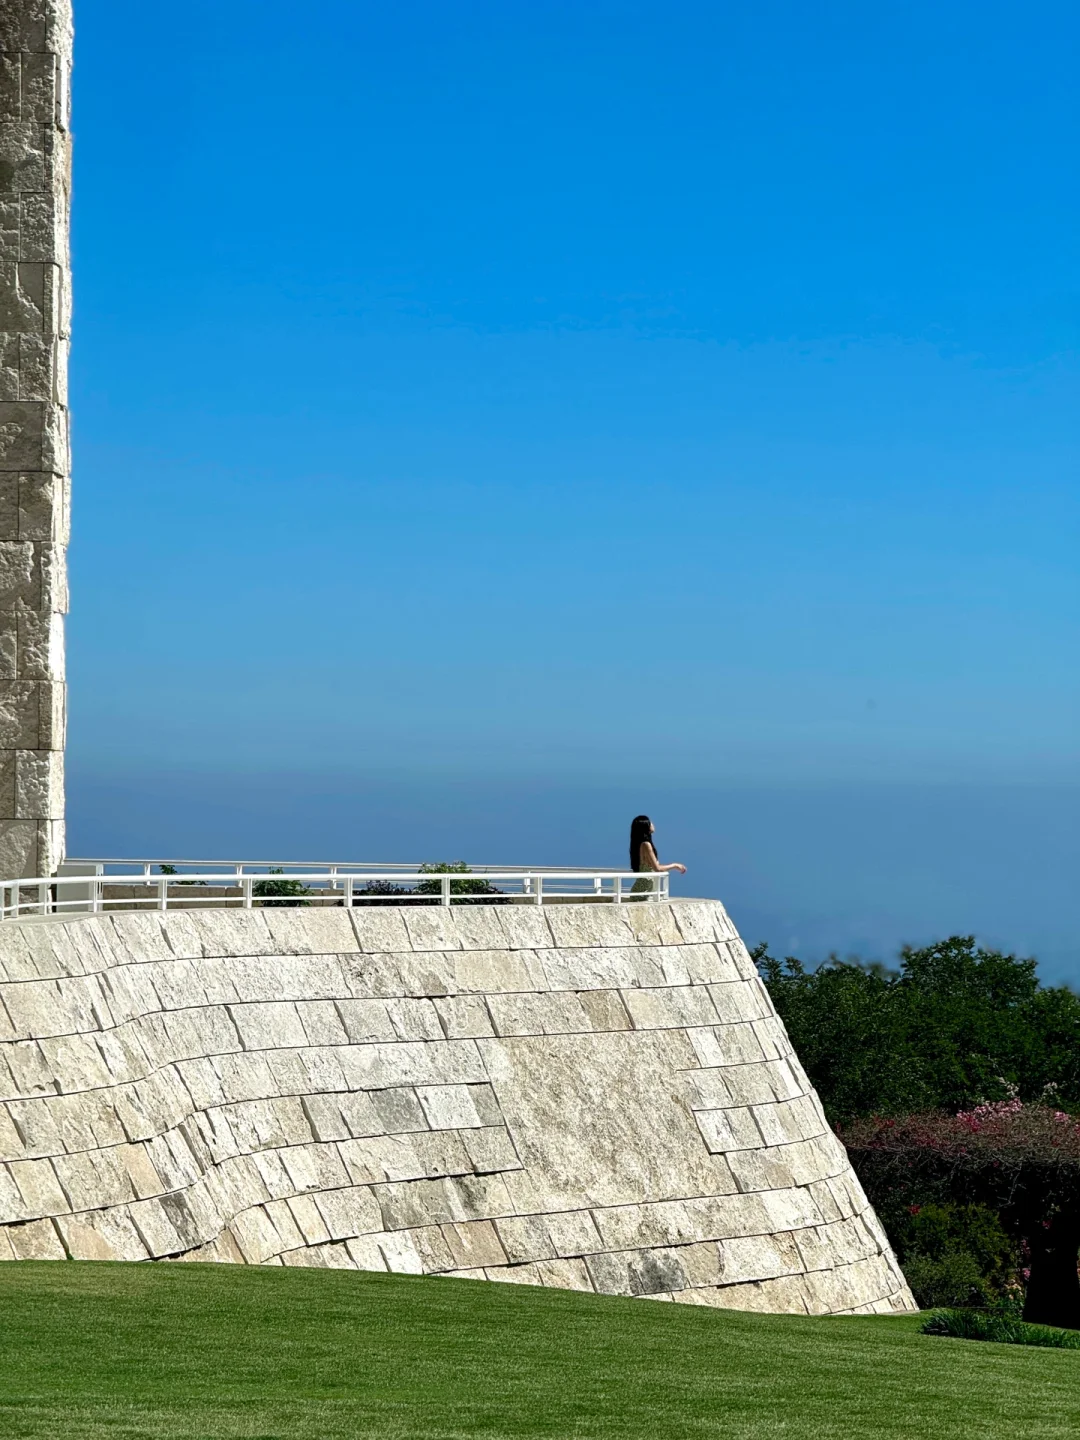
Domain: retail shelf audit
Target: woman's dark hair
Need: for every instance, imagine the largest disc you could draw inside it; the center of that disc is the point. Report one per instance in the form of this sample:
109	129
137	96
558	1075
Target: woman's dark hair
640	831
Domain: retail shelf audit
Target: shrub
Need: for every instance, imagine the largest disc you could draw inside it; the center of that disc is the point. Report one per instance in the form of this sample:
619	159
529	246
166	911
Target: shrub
1002	1328
385	892
950	1279
281	892
1021	1160
954	1254
463	892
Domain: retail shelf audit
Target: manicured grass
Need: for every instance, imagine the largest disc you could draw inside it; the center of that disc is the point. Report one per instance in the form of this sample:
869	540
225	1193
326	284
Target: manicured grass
204	1351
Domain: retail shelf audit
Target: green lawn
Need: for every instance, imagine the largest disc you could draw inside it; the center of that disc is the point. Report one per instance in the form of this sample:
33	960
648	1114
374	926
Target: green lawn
217	1350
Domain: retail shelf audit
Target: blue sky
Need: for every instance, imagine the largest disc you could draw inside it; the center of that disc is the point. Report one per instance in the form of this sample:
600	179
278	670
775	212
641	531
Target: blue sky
490	413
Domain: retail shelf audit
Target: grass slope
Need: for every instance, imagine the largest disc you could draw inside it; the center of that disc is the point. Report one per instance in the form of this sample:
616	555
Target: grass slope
205	1351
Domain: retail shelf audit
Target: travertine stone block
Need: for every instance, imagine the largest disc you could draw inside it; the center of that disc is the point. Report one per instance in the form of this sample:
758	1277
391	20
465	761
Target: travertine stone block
618	1111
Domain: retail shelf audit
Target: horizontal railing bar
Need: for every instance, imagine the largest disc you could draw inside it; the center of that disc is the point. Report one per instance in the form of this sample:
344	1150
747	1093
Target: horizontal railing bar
244	883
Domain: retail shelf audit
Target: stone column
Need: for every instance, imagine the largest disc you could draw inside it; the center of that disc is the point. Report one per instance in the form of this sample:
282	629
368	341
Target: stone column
35	302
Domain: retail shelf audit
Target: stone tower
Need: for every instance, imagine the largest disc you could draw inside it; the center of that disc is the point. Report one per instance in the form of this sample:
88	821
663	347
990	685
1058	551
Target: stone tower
35	308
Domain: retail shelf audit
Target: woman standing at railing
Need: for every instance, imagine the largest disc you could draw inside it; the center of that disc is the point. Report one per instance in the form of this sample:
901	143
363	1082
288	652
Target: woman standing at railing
643	854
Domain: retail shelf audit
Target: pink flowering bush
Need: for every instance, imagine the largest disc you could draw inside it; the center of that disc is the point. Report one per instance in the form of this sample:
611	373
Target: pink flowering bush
1020	1160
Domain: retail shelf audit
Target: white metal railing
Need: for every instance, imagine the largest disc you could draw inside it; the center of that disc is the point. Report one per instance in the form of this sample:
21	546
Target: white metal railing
95	886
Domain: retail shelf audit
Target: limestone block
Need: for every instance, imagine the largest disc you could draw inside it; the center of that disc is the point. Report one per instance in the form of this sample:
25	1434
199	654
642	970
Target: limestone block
556	1013
737	1000
726	1045
525	1238
742	1084
513	1274
490	1149
402	1157
322	1022
414	1019
572	1233
92	1179
31	1074
564	1274
380	931
525	927
312	931
18	1143
427	1202
665	1008
480	927
365	1252
610	968
39	1188
365	1020
112	1236
37	1240
445	1062
349	1211
400	1254
310	1168
431	928
450	1107
88	1118
654	925
281	1218
732	1129
399	1110
698	922
575	927
464	1016
487	971
604	1010
778	1167
178	984
308	1220
270	1025
474	1244
75	1063
316	1068
430	1244
256	1236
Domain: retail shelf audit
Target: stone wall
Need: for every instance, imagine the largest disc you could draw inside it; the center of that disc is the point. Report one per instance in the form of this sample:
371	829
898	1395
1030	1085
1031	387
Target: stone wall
585	1096
35	289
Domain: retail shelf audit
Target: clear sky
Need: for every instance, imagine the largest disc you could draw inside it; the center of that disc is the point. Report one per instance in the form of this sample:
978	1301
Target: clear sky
494	419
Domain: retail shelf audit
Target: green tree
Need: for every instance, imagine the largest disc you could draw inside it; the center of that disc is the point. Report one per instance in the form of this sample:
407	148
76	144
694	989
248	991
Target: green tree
955	1025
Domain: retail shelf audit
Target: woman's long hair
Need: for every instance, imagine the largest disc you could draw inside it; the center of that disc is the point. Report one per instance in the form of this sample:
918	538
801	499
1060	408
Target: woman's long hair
640	831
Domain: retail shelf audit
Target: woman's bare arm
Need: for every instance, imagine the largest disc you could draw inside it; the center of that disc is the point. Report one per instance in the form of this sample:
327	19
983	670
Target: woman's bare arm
650	860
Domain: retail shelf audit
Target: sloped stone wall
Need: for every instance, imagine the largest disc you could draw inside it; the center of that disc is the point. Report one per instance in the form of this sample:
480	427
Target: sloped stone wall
584	1096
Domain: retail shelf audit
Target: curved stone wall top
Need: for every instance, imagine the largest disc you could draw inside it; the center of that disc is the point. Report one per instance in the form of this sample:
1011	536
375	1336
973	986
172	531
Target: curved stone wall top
590	1096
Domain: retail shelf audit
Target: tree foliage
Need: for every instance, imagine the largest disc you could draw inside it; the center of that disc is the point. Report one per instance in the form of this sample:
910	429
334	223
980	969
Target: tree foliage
955	1026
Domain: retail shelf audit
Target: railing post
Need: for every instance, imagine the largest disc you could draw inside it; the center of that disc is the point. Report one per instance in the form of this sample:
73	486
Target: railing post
446	890
539	894
247	884
95	893
163	893
349	883
597	885
618	890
